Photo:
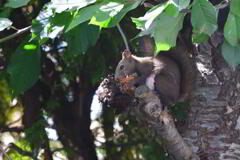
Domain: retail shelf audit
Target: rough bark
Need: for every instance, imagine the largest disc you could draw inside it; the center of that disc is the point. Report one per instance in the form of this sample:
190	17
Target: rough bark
214	117
151	112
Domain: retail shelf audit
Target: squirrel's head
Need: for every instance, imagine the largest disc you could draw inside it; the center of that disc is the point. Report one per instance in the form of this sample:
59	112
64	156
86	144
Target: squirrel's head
126	67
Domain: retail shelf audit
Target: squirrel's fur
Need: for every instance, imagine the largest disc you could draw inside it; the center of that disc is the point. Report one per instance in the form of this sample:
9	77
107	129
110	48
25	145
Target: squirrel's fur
169	73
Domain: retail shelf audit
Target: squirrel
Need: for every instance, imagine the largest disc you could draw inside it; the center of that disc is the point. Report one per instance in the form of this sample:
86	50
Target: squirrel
170	73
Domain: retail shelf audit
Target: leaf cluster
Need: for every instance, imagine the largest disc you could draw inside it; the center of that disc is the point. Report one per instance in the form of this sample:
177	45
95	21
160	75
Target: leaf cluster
81	22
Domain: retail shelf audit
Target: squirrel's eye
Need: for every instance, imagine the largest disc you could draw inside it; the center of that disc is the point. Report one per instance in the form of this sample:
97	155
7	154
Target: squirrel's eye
121	67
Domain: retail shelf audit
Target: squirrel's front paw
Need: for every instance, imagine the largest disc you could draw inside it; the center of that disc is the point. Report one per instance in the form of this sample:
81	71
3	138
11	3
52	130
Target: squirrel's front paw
141	90
150	81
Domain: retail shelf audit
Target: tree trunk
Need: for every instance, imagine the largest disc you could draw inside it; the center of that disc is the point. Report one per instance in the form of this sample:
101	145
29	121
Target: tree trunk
214	117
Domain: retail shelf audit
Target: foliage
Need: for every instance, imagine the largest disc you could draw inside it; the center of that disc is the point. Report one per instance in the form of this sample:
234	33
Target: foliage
164	27
88	35
72	43
162	22
16	4
15	155
4	23
5	98
24	67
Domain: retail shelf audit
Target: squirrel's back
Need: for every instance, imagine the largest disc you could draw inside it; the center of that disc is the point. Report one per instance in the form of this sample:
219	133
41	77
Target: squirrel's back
182	56
167	79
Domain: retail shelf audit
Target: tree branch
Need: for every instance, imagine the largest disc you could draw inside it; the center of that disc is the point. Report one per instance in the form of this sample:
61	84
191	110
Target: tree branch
147	108
157	118
11	129
19	32
223	5
19	150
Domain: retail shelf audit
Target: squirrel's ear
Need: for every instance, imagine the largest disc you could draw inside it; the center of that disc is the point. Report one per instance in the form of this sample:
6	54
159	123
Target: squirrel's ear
126	54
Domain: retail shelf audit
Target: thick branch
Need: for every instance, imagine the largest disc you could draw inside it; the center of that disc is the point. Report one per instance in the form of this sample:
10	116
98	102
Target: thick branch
151	112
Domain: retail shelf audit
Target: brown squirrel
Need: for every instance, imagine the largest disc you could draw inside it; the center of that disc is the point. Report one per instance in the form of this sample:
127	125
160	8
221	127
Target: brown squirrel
170	73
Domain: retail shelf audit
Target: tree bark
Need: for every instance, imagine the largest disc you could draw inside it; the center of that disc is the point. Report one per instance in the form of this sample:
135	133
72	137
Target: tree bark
151	113
214	117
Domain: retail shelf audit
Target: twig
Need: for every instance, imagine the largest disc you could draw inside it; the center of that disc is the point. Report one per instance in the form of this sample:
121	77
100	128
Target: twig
11	129
13	122
19	150
222	5
123	36
19	32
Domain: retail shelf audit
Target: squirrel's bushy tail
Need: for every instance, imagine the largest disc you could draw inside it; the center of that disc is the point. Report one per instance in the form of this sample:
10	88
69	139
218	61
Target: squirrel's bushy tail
183	56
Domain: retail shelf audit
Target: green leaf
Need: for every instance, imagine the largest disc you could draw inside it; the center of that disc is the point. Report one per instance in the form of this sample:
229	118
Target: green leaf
23	145
4	23
231	54
63	5
37	28
232	29
30	47
41	25
24	67
83	15
232	26
51	27
199	37
127	7
57	19
5	12
146	21
81	38
164	30
172	10
204	17
16	3
105	12
181	4
112	19
235	7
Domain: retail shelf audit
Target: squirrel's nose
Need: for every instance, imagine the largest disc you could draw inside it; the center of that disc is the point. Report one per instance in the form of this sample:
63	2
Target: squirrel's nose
117	76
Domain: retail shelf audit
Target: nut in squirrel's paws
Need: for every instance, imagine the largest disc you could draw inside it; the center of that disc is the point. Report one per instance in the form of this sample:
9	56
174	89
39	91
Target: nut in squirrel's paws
128	79
127	89
127	84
